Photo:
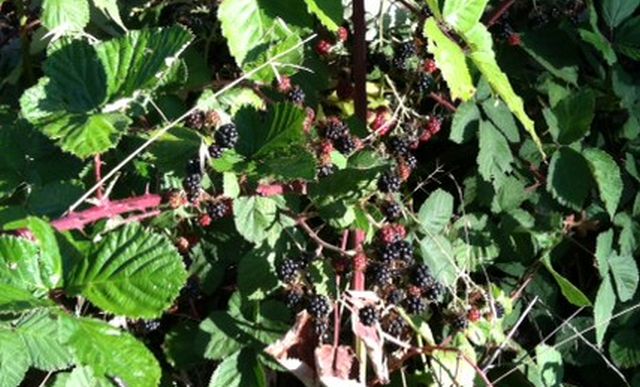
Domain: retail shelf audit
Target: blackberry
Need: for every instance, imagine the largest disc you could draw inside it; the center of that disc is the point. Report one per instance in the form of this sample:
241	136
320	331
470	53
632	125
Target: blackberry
424	82
405	50
226	136
195	120
392	211
296	95
396	327
382	275
411	160
434	292
414	305
193	167
345	144
459	322
191	186
404	251
218	209
389	182
368	315
399	62
326	170
396	296
215	151
398	146
421	277
335	129
286	271
318	307
150	326
389	253
499	309
293	300
320	327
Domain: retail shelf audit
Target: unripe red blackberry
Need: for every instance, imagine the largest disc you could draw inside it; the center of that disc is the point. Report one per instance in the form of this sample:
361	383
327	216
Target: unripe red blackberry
323	47
429	66
368	315
392	233
474	315
514	39
342	34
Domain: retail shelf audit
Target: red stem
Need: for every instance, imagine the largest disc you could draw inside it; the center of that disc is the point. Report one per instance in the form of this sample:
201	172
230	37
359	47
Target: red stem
357	239
443	101
501	10
359	60
77	220
275	189
98	172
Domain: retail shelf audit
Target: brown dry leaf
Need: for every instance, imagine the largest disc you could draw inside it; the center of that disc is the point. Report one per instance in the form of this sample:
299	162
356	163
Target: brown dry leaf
337	366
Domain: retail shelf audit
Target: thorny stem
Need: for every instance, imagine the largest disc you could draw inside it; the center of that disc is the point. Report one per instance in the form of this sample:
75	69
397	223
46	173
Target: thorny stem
501	10
336	309
444	102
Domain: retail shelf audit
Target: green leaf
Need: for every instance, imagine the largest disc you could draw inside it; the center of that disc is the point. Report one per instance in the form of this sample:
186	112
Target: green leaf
603	309
484	58
289	163
604	248
16	300
450	60
465	122
572	117
133	272
61	16
20	266
223	335
51	263
450	369
627	38
624	348
462	15
329	12
323	277
436	212
569	178
615	11
256	275
559	60
494	159
174	148
501	117
184	345
110	9
596	39
113	353
80	377
569	290
255	217
607	176
14	360
625	273
549	362
241	369
437	254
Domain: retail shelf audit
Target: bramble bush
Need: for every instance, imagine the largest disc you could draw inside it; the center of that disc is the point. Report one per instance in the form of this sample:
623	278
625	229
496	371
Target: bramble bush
319	192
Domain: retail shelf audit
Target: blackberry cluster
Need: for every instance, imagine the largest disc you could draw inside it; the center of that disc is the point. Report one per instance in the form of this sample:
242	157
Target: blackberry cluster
398	146
389	182
368	315
195	120
293	299
411	160
218	209
434	292
286	270
345	144
335	129
319	307
392	211
381	275
192	186
424	83
400	250
421	277
402	53
414	304
396	327
226	136
396	296
296	95
459	322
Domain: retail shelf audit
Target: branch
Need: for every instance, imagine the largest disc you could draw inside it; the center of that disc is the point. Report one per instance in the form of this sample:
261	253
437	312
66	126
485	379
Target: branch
501	10
314	236
77	220
441	100
276	189
359	60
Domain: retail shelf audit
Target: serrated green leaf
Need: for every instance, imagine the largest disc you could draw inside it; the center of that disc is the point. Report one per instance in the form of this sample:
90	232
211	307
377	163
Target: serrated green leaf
451	369
294	162
465	122
569	290
20	266
502	118
133	272
595	37
110	9
256	275
627	38
603	309
329	12
223	335
80	377
624	348
255	217
495	157
549	362
450	60
436	212
570	119
479	39
14	360
113	353
16	300
625	273
62	16
241	369
437	254
569	179
174	148
184	345
607	176
51	263
462	15
615	11
604	248
323	277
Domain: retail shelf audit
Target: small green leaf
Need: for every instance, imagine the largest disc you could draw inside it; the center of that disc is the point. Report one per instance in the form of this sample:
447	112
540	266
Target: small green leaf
570	119
329	12
14	300
462	15
223	335
241	369
450	60
437	254
51	264
569	290
569	179
256	277
451	369
603	309
607	176
20	266
627	38
596	38
625	273
133	272
110	9
436	212
323	277
255	217
500	115
604	248
62	16
495	158
615	11
624	348
465	122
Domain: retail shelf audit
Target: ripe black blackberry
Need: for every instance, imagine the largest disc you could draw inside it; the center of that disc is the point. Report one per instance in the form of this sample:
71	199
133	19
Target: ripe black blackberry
421	277
320	327
389	253
368	315
226	136
345	144
459	322
218	209
396	327
215	151
398	146
434	292
193	167
405	50
411	160
191	185
296	95
195	120
149	326
381	275
424	82
392	211
499	309
293	299
389	182
319	306
286	270
396	296
414	305
404	251
326	170
335	129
